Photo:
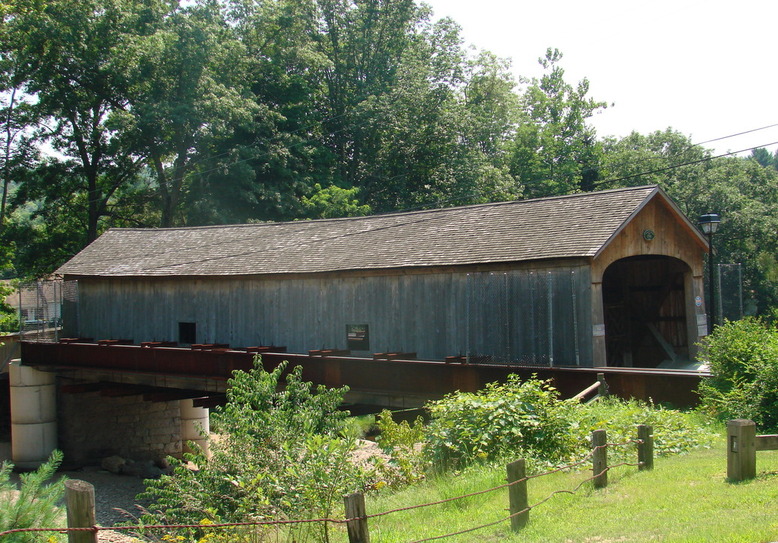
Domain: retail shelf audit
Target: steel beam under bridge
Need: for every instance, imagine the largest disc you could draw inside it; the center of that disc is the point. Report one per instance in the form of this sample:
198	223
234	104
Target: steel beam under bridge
389	383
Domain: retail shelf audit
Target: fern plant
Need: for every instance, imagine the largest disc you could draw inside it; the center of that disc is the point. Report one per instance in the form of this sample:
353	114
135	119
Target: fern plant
34	504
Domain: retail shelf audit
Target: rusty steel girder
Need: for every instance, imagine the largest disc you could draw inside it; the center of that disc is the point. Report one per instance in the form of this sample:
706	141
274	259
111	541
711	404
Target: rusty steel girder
385	377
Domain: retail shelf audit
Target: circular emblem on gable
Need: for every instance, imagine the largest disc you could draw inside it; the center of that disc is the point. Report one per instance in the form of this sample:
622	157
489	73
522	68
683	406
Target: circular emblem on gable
648	235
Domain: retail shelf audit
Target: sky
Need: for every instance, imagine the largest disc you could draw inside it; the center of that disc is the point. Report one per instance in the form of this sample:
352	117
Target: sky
706	69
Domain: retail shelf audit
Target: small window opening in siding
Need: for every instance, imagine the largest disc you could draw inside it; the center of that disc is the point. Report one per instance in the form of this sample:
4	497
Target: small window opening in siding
358	337
187	332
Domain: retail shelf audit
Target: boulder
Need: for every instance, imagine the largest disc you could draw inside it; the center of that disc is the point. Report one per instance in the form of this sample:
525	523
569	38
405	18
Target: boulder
113	464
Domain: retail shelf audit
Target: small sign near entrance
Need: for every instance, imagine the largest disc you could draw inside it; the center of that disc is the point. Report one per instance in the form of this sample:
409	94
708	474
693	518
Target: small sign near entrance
598	330
698	301
357	337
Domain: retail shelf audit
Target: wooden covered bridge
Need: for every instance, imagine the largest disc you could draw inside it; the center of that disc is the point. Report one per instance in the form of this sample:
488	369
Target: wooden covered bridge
562	287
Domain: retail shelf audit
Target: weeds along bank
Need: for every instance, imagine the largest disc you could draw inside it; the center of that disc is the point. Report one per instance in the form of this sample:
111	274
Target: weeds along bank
285	450
528	420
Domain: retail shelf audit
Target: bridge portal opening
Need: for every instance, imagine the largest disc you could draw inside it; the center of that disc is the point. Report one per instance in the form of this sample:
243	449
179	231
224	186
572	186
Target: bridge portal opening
645	304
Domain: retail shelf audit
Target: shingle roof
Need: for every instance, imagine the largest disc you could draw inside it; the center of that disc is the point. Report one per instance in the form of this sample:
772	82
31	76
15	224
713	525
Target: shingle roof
547	228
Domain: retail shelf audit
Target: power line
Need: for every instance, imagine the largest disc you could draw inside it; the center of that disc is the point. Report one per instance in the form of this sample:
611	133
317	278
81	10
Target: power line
681	165
687	148
738	134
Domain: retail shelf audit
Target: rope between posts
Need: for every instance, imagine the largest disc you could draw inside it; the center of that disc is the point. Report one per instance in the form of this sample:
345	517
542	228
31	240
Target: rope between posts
289	522
500	487
526	509
446	500
96	529
178	526
468	530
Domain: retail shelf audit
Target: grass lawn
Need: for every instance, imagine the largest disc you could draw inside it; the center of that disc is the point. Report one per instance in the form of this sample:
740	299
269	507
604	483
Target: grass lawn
684	499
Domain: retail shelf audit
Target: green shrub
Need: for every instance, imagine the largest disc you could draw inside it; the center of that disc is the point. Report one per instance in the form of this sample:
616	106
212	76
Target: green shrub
360	427
528	419
278	454
514	418
743	359
403	443
9	319
675	432
34	505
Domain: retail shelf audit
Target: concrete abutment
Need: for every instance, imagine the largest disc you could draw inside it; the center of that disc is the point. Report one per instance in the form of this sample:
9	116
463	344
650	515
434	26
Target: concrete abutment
92	424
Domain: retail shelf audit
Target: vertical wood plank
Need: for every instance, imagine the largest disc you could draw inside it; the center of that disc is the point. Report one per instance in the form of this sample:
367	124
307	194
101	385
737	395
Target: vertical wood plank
600	458
355	510
645	447
517	494
80	503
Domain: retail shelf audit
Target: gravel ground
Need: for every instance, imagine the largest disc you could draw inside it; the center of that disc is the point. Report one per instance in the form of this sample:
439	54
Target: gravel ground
113	495
114	499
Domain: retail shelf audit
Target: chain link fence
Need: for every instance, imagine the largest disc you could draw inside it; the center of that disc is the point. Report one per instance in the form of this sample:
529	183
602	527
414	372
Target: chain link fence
730	288
39	304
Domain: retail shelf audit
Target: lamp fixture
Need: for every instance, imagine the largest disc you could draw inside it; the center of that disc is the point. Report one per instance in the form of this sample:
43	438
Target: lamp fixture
709	223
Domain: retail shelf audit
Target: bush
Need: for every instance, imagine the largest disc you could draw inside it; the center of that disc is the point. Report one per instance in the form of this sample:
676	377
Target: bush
528	419
675	432
9	320
34	504
515	418
743	358
278	454
403	443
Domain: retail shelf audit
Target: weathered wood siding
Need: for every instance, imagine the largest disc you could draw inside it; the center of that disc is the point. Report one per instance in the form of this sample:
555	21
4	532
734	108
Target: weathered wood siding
530	315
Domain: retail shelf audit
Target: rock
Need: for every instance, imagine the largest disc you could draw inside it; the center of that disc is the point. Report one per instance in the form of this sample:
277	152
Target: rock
144	470
113	464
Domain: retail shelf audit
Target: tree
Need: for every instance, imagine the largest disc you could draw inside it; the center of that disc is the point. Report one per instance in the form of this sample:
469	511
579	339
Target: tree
764	158
391	106
9	319
435	138
745	195
262	170
332	202
555	151
35	504
364	42
16	114
186	87
664	157
65	48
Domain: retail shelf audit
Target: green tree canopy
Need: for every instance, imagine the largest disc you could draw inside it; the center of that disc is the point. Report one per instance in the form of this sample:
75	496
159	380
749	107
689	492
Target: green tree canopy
555	150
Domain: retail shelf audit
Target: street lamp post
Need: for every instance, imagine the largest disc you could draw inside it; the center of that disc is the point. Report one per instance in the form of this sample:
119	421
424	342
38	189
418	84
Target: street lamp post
709	224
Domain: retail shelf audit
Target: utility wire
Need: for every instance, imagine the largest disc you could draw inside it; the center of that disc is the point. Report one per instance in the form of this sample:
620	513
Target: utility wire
738	134
681	165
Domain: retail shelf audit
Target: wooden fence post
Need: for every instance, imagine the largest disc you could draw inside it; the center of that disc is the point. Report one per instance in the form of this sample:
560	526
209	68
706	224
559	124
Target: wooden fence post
355	509
600	458
517	494
741	449
80	503
645	447
602	390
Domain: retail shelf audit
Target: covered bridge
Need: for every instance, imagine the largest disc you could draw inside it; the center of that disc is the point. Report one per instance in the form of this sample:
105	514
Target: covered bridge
595	279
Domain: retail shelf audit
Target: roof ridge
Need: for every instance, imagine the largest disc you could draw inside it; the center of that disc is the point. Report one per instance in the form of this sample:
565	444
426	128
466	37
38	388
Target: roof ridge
564	226
387	214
